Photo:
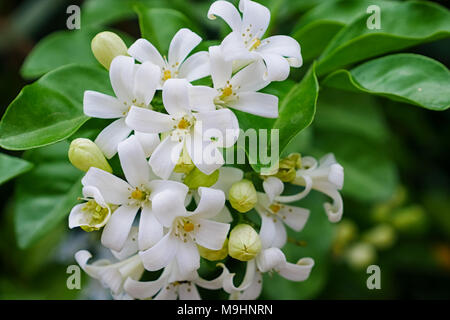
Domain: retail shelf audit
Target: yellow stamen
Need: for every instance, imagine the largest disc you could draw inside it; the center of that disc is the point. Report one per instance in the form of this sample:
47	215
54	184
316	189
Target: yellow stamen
138	194
255	45
167	75
183	124
188	226
275	208
227	91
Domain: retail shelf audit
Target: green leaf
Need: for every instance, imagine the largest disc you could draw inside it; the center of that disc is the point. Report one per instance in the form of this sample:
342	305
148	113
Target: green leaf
53	51
369	175
297	105
159	25
316	247
51	109
318	26
45	195
409	78
403	25
11	167
352	113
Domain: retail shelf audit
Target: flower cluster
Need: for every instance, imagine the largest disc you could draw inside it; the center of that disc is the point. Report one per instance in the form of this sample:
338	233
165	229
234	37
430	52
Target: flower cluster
169	209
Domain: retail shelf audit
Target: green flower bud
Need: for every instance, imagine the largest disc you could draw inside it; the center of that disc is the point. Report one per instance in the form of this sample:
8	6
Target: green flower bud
184	164
106	46
410	219
214	255
196	179
382	236
244	243
83	154
242	196
287	170
361	255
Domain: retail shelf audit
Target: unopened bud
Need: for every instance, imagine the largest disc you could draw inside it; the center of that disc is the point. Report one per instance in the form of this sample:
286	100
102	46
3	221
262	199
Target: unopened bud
361	255
288	167
214	255
83	154
196	179
242	196
184	164
106	46
382	236
244	243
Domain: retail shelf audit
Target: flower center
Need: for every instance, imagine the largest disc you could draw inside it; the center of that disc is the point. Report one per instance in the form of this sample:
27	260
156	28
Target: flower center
184	124
138	194
97	214
167	75
275	207
227	91
188	226
255	44
183	227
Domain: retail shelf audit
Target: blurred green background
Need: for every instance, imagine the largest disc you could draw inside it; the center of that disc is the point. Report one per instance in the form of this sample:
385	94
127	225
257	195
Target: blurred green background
396	160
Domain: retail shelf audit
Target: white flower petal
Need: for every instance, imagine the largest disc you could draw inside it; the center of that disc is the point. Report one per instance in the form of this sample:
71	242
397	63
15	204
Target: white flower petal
211	234
254	290
297	272
99	105
221	69
227	12
183	42
114	190
227	177
93	192
269	259
148	121
176	96
148	141
77	216
335	210
233	48
133	162
146	80
161	254
111	136
201	98
255	16
188	257
169	292
188	291
223	216
121	74
204	154
165	157
166	207
130	247
250	78
273	187
250	273
150	230
213	284
118	227
142	50
257	103
267	231
294	217
277	67
211	202
284	46
195	67
218	124
146	289
280	235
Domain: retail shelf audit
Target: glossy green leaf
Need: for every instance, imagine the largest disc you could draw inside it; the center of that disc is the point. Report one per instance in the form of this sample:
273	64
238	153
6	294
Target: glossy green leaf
409	78
45	195
63	48
159	25
318	26
51	109
297	105
350	112
403	25
11	167
369	175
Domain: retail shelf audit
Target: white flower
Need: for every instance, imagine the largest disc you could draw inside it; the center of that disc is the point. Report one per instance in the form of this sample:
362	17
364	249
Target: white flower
202	131
111	275
186	230
91	215
171	285
240	91
327	177
176	66
140	191
246	42
274	214
134	85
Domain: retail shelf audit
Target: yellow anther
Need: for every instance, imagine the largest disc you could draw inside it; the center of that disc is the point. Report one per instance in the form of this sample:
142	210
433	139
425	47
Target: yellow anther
183	124
167	74
275	207
188	226
138	194
255	45
227	91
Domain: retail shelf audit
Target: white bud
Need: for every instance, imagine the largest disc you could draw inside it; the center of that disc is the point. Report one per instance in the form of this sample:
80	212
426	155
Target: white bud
106	46
244	243
242	196
83	154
